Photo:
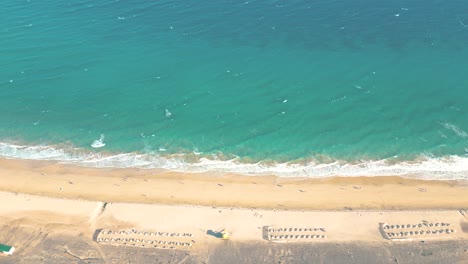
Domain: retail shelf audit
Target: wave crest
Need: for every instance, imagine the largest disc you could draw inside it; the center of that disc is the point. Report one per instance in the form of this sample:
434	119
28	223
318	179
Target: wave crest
424	167
458	131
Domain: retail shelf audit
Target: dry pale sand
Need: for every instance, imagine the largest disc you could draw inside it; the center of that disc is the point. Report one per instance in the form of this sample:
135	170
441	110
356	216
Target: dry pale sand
227	190
53	230
84	217
48	200
247	224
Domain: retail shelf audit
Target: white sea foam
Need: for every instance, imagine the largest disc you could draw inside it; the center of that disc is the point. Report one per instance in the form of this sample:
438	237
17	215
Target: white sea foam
425	167
167	113
338	99
98	143
36	153
459	132
196	152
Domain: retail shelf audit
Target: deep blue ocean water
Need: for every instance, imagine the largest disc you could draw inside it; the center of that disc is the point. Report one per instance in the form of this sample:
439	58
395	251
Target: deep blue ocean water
293	88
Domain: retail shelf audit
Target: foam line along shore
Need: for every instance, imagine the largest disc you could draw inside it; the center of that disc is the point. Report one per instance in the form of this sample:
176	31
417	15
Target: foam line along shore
226	189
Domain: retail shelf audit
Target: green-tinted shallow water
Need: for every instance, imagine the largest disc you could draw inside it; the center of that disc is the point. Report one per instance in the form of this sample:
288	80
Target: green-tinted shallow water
304	88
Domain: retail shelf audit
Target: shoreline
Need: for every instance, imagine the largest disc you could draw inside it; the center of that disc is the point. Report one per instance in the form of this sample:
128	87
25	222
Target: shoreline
443	168
150	186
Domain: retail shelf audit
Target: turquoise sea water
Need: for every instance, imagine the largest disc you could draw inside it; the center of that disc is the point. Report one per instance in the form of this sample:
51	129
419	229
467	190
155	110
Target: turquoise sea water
304	88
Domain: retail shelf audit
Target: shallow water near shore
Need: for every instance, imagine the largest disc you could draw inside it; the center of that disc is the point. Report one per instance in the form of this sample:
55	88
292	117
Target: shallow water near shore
288	88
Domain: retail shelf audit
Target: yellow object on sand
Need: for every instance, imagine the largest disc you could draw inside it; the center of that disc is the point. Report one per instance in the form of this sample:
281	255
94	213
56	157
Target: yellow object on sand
224	235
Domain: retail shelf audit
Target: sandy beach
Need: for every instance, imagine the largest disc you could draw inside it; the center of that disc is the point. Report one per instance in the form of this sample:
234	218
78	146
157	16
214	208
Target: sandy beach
48	203
227	190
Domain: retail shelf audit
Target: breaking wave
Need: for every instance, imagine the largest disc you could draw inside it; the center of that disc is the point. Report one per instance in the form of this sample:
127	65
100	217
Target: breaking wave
423	167
458	131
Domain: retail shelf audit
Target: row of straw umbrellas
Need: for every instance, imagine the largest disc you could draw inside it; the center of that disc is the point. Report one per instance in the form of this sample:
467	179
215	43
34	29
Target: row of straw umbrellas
134	232
422	232
415	225
295	237
292	229
162	242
